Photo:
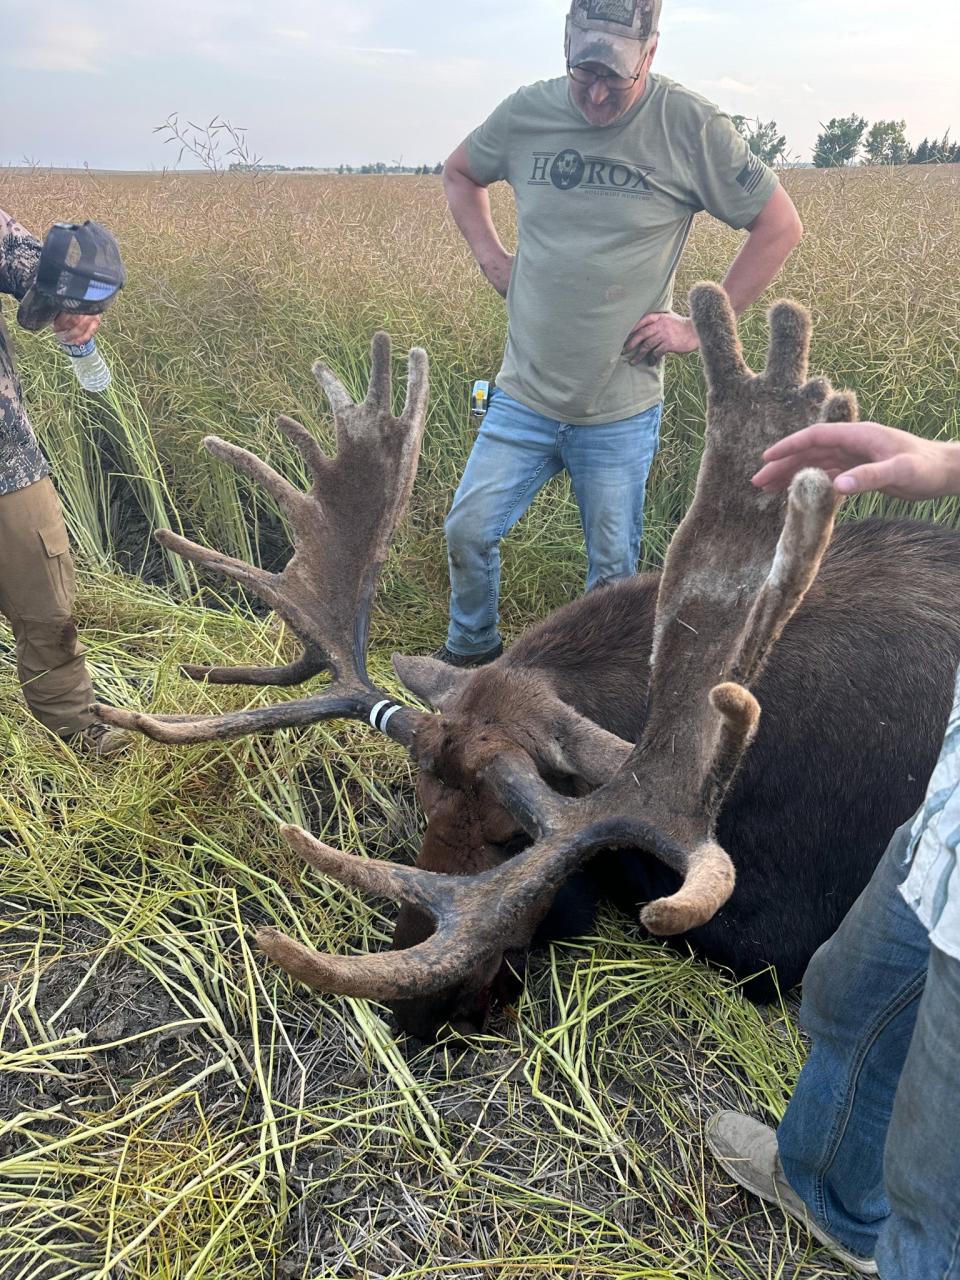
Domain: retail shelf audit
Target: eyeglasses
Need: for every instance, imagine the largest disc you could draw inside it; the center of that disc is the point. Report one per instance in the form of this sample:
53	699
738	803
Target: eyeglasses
616	84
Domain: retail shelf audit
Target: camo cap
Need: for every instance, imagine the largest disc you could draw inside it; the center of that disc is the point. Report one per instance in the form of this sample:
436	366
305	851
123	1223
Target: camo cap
613	32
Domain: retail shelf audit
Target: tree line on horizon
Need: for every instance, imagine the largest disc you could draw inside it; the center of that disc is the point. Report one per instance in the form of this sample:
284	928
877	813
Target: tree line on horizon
847	140
843	141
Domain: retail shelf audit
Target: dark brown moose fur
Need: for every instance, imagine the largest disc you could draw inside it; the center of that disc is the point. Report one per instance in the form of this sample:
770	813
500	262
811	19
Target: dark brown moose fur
854	707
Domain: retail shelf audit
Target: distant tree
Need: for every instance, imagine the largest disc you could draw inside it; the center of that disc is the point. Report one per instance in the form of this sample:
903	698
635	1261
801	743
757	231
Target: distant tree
438	169
839	143
886	143
944	151
936	151
763	138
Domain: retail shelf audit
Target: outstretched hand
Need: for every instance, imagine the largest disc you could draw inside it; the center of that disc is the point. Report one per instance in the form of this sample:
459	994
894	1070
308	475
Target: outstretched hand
660	334
863	457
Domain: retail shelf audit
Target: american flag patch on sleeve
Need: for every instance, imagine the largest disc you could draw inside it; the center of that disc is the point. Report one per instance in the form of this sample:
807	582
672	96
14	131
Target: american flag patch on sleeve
751	175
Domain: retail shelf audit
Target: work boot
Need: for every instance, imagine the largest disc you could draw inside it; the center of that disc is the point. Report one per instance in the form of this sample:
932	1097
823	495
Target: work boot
748	1151
464	660
100	740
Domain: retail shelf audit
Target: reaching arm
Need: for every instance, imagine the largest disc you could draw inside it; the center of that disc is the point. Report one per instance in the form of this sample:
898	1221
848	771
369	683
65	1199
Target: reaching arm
774	234
470	205
860	457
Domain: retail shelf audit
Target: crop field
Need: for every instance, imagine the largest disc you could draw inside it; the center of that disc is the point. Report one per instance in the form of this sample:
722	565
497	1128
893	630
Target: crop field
173	1107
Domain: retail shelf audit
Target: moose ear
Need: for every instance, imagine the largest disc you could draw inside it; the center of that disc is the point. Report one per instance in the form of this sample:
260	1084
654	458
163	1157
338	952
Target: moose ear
432	681
581	749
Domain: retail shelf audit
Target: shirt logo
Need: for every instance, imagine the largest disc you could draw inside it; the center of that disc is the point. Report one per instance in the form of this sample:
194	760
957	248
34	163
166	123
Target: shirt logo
622	11
568	170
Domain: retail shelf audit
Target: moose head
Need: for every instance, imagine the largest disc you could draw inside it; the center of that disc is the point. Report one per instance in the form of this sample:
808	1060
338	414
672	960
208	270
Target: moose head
520	790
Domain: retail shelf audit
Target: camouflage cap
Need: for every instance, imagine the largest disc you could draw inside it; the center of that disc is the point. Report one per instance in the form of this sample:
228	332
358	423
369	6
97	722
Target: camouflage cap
613	32
80	270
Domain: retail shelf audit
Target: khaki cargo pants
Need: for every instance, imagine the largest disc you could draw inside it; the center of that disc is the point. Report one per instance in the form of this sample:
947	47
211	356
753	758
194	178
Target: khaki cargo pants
37	593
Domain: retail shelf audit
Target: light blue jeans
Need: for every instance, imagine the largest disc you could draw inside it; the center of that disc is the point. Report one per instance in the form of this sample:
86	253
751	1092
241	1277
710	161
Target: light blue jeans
871	1139
516	452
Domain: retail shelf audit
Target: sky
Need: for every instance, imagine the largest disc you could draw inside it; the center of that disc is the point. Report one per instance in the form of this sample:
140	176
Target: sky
325	82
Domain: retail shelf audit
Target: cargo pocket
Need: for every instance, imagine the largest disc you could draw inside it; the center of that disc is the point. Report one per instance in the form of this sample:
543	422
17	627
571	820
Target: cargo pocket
55	541
59	563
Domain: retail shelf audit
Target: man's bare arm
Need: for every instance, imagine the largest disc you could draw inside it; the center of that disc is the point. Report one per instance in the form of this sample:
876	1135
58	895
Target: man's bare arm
773	235
470	205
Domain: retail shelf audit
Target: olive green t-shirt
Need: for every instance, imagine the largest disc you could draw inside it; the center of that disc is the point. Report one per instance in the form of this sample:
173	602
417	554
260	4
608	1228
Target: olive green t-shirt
604	214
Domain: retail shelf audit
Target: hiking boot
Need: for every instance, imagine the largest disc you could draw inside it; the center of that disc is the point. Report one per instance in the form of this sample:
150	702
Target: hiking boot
748	1151
100	740
464	660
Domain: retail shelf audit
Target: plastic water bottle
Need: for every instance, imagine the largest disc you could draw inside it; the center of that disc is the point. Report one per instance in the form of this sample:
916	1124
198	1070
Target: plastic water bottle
89	366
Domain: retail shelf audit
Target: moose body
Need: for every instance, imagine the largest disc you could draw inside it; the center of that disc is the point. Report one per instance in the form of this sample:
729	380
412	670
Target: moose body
854	710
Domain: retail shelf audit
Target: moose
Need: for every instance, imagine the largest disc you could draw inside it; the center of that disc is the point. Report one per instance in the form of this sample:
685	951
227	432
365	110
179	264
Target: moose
617	750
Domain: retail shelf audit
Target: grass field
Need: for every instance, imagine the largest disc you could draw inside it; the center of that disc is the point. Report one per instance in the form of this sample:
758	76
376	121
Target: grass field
170	1105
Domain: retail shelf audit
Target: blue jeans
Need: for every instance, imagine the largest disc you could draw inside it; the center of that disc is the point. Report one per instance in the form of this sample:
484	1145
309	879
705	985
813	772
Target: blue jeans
871	1139
516	453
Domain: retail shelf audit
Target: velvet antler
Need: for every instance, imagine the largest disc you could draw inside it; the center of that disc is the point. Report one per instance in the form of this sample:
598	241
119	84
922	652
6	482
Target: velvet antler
342	530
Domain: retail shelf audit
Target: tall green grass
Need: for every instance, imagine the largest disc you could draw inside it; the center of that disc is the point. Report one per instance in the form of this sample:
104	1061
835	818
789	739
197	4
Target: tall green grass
238	283
171	1106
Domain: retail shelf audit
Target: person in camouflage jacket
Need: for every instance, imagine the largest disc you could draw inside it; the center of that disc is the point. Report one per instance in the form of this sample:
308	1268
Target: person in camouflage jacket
37	588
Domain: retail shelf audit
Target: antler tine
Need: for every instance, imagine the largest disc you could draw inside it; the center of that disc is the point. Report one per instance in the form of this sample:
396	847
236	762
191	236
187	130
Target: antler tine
342	529
284	677
418	386
423	970
811	507
313	455
287	496
338	397
440	961
841	407
393	720
248	575
716	326
383	879
788	356
380	389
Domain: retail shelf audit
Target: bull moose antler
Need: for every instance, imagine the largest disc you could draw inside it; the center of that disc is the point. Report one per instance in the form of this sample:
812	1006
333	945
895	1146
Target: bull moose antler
736	570
342	530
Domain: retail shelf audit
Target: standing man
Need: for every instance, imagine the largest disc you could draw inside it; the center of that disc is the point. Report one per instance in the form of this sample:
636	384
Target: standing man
36	569
867	1156
609	166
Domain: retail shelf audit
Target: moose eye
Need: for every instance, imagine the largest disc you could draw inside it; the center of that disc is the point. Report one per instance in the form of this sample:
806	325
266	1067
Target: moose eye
500	829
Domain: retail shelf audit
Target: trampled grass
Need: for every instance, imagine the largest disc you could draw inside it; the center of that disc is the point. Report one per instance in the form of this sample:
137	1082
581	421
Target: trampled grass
170	1105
